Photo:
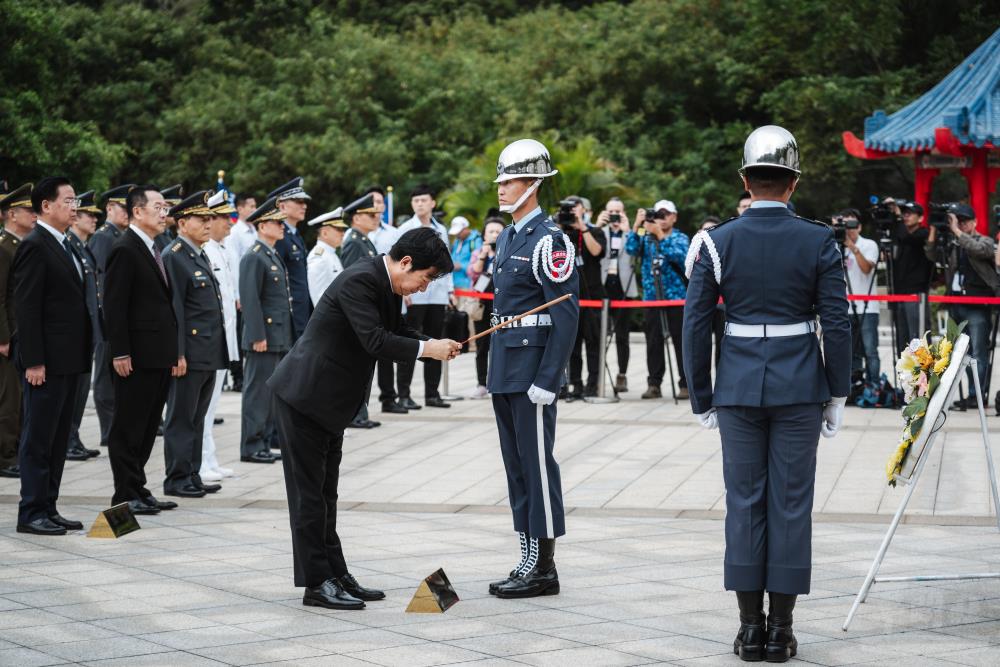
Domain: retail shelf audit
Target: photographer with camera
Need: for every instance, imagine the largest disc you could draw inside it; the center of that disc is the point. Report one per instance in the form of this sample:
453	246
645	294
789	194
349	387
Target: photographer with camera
590	248
663	250
618	275
970	270
911	270
860	261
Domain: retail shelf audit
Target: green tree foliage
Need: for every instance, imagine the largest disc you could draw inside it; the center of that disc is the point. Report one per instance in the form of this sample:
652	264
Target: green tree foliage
645	99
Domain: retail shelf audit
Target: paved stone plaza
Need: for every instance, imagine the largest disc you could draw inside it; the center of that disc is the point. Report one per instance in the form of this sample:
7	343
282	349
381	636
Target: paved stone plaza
641	567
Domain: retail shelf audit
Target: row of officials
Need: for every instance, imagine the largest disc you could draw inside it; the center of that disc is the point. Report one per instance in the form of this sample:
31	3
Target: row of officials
149	310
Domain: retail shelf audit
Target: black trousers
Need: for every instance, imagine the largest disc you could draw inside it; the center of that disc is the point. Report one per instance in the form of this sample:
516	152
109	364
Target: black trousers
104	389
184	428
139	401
587	332
311	458
10	409
386	381
620	319
428	320
236	365
79	405
483	344
656	363
48	412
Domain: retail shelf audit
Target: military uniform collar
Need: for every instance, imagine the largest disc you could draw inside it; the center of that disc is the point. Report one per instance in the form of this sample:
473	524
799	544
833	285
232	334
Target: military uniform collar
768	203
527	219
182	239
7	232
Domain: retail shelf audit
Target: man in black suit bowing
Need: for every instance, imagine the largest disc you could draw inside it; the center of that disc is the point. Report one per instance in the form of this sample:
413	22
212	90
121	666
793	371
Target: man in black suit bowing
54	348
141	330
322	381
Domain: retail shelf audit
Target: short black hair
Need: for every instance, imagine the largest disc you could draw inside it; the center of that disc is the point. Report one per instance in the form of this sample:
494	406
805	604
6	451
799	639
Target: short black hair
425	248
714	219
850	213
494	220
770	181
242	198
374	188
47	189
422	189
136	198
744	195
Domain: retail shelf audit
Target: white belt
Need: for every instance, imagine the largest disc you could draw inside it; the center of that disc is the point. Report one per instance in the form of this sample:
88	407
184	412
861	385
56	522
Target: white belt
769	330
529	321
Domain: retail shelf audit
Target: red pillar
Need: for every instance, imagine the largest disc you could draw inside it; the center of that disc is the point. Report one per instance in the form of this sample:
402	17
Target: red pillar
977	176
923	182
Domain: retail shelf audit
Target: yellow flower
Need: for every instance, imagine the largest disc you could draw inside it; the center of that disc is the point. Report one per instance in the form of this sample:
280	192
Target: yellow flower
944	348
924	357
940	365
895	462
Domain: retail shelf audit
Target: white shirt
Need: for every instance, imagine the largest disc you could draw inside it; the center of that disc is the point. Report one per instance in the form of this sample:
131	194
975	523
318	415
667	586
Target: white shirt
385	263
218	256
439	290
60	237
241	238
323	266
862	283
384	238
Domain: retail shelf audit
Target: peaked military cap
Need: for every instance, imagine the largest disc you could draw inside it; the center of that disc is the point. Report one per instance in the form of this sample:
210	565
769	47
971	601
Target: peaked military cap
17	198
266	212
85	203
364	205
219	204
116	195
193	205
334	218
173	195
291	190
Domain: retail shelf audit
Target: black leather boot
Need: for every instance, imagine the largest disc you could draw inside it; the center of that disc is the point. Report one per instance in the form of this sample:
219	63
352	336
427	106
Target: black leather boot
516	572
540	578
781	644
749	643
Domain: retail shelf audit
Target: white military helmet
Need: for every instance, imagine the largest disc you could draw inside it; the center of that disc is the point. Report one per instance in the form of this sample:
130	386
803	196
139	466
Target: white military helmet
525	158
771	146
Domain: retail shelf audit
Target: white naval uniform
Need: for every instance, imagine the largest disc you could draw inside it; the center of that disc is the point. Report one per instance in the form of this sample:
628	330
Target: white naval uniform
324	266
220	257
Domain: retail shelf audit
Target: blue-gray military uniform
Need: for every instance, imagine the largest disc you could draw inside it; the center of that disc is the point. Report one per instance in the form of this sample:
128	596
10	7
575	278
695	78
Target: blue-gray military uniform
267	314
771	268
521	356
292	250
201	340
92	290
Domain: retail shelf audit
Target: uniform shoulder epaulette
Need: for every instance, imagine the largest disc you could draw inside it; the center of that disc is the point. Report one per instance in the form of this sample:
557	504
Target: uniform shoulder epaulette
318	251
815	222
714	227
256	247
176	247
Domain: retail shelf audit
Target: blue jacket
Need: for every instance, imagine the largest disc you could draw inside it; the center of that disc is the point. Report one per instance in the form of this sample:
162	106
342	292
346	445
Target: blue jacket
461	254
522	356
672	250
292	250
776	268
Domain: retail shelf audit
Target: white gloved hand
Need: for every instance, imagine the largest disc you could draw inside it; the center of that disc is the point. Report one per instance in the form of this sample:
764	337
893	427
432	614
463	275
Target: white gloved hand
539	396
710	419
833	416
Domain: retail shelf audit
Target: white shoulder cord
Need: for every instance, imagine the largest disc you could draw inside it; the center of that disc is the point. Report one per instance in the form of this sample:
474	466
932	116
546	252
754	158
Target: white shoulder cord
542	255
713	252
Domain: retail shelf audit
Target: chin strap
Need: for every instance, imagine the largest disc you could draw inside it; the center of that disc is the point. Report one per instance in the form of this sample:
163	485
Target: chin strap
510	208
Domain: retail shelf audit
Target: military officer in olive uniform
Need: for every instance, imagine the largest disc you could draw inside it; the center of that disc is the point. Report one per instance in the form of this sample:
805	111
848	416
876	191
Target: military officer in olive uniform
201	347
100	244
267	329
775	390
77	235
534	265
19	220
292	200
324	263
172	196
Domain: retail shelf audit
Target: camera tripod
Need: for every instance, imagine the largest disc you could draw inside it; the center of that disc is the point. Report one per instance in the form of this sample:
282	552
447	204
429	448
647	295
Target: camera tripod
664	329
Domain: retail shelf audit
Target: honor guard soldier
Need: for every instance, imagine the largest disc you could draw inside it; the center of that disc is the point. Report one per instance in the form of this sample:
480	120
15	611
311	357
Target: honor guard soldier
80	230
201	347
172	196
100	244
775	391
534	265
324	264
267	329
18	221
292	201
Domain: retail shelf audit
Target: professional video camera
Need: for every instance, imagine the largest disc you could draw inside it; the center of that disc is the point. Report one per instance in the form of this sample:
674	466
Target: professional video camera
565	216
839	228
883	215
937	217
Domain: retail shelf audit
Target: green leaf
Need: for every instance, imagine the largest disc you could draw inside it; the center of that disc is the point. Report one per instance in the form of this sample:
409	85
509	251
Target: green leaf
916	406
932	384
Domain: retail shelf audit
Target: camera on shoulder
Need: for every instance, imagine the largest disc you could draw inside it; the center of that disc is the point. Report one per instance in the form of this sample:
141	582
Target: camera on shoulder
565	216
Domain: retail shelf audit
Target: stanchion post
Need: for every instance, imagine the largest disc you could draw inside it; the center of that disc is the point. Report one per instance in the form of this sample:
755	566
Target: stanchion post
921	312
602	396
444	384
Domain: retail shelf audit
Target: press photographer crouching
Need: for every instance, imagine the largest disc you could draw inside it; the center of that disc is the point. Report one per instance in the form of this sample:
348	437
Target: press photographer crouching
481	276
618	275
968	260
911	271
590	246
860	261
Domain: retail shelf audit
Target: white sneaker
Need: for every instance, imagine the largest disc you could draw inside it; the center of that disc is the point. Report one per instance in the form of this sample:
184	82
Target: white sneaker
225	472
210	476
479	392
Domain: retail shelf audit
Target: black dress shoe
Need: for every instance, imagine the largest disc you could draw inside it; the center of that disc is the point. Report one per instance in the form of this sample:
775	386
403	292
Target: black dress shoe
750	640
10	471
218	420
92	453
331	595
77	454
142	507
351	585
159	504
159	430
41	526
361	423
207	488
781	643
393	408
409	403
372	423
68	524
259	457
437	402
542	579
186	491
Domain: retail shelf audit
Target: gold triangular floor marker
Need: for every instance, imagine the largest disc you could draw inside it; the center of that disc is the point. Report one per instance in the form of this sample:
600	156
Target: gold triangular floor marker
114	522
434	595
101	528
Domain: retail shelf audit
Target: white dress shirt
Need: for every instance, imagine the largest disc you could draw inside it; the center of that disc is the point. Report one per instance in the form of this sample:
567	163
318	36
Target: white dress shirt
439	291
323	266
384	238
218	255
241	238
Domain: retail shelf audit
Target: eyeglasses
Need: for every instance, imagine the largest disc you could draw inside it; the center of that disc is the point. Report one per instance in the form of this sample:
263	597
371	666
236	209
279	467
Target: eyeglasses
160	210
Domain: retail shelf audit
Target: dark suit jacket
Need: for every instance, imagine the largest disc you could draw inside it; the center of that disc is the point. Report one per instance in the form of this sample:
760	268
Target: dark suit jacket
357	321
51	308
138	315
776	268
91	285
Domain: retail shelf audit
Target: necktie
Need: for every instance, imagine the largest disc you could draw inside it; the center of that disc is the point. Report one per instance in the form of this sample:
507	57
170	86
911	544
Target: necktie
159	263
72	255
